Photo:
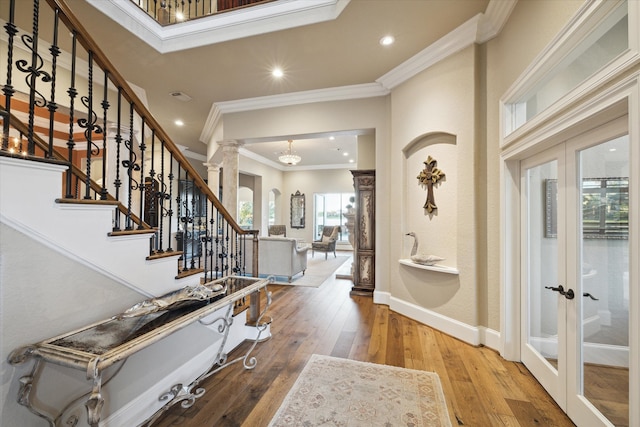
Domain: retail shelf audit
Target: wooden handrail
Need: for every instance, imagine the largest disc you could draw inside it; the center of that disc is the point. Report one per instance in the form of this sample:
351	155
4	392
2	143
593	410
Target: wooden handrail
82	35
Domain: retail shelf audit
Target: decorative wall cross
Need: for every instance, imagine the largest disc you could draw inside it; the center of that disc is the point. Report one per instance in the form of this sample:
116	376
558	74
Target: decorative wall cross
429	177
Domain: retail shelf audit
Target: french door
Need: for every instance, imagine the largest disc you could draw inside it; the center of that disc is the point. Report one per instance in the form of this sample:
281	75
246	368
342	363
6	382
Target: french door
575	274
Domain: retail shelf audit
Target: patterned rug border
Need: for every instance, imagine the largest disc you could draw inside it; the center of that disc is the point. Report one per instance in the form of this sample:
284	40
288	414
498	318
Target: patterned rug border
280	421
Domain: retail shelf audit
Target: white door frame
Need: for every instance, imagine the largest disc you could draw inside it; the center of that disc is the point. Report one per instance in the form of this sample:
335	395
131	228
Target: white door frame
611	103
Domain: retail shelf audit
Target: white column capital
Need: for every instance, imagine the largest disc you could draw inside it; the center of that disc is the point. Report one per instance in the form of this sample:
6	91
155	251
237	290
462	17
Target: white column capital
230	145
212	167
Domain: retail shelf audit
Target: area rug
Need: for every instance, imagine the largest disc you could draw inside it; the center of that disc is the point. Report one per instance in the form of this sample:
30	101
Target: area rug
340	392
318	270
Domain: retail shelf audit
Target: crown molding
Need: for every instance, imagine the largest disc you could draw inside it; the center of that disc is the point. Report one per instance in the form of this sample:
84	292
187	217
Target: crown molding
455	41
231	25
366	90
214	117
495	17
478	29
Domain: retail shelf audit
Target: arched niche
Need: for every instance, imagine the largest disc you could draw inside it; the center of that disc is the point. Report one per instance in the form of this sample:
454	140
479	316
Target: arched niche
427	139
437	231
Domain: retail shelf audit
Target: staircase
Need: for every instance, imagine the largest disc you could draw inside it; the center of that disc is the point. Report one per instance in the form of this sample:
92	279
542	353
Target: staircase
99	210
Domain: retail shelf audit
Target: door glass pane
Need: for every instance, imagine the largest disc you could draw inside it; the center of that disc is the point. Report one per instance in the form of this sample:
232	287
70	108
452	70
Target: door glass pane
542	221
604	275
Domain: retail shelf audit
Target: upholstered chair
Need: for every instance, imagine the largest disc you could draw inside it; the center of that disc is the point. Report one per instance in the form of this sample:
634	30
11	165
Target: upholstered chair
328	241
277	230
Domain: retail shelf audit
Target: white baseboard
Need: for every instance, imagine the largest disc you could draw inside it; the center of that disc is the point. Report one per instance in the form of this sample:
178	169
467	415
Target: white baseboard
490	338
474	335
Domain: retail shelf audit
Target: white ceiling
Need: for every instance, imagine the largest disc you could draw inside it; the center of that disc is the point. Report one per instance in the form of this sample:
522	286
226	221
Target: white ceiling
330	55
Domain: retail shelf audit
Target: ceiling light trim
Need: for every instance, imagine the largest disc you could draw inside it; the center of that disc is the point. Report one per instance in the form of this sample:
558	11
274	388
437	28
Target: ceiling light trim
259	19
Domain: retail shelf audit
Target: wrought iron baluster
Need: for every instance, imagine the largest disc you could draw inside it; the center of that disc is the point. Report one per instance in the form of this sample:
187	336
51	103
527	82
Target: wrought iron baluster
8	89
162	197
90	127
216	239
208	249
141	186
105	108
236	265
179	207
117	183
153	211
33	72
72	92
169	198
132	166
52	106
227	250
194	232
186	219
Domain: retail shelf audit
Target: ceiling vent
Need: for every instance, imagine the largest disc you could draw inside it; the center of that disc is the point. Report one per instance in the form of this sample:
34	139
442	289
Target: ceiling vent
181	96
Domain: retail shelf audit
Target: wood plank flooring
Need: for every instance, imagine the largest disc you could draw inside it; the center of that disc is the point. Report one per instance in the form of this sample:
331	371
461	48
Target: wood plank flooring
481	388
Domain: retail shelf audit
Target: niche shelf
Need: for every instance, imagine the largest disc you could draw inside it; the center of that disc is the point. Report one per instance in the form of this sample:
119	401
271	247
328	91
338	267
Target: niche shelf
435	267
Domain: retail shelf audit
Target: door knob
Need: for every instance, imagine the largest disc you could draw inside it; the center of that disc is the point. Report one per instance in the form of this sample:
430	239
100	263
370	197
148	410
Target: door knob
569	294
587	294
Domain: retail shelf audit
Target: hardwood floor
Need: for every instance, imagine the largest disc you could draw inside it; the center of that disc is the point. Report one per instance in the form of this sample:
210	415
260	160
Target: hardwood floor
481	388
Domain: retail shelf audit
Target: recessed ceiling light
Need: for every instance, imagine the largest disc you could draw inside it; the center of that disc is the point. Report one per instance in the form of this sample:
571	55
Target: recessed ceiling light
331	138
277	72
387	40
612	149
179	122
350	160
345	154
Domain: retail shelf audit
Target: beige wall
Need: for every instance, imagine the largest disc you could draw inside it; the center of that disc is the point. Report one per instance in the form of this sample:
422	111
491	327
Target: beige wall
458	96
438	100
507	57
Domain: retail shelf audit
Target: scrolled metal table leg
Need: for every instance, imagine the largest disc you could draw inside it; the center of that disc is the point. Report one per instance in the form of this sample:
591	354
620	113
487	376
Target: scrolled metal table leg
95	402
27	383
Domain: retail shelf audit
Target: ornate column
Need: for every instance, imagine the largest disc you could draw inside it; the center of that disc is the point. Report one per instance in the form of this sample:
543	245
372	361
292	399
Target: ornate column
230	169
213	177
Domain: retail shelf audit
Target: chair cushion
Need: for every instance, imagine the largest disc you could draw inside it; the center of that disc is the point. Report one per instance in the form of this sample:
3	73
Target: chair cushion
326	239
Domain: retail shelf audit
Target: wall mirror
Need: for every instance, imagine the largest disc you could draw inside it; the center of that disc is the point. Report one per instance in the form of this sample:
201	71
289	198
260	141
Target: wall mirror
297	210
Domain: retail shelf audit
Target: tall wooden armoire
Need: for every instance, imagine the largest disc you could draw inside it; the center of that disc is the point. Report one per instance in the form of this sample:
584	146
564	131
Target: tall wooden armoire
364	247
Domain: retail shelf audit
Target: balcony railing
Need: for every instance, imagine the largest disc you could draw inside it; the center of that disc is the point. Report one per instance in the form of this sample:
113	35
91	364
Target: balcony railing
167	12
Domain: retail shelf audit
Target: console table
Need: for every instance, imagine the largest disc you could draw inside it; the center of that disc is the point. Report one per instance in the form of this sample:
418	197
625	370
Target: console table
100	345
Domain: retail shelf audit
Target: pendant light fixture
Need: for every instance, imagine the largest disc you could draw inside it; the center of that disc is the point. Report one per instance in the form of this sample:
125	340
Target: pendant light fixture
288	157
